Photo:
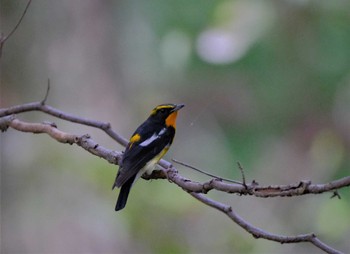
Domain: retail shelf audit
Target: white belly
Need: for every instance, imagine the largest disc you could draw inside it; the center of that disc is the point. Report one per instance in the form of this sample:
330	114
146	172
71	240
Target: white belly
150	166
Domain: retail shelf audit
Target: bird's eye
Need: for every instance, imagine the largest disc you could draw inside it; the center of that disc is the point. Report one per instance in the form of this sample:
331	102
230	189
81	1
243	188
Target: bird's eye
162	110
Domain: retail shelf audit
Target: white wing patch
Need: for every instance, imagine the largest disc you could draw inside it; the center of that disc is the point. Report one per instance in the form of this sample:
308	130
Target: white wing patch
161	131
152	138
149	140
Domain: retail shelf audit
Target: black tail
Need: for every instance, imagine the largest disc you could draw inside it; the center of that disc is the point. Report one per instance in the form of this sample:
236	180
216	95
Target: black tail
123	194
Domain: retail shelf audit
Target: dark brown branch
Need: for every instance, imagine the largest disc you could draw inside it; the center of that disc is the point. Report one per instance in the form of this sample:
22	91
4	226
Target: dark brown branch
196	189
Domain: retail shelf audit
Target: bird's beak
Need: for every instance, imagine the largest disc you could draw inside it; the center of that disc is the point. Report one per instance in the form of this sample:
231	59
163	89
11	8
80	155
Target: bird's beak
178	107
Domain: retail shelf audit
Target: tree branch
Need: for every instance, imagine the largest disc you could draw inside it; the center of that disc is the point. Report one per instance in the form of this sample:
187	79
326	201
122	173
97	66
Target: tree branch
259	233
196	189
83	141
3	39
41	106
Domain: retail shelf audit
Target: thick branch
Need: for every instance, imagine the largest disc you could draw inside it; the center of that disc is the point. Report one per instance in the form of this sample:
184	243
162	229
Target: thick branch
83	141
48	128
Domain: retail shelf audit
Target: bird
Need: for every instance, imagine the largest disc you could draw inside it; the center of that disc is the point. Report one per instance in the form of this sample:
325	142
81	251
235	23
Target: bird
147	145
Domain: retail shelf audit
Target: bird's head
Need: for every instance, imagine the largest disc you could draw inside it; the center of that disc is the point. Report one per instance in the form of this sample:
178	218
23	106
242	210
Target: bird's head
166	113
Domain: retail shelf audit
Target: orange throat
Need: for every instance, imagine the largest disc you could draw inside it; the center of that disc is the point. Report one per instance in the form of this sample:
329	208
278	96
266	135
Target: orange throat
171	120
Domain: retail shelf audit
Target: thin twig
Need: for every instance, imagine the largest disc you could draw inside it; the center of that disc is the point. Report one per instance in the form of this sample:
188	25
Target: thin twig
5	38
242	173
47	92
205	173
336	194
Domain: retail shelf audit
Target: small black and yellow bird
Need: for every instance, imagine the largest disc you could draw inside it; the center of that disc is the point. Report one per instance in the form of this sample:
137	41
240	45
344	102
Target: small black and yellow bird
146	147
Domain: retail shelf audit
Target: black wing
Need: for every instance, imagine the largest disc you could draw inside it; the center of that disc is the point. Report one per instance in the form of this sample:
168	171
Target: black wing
137	155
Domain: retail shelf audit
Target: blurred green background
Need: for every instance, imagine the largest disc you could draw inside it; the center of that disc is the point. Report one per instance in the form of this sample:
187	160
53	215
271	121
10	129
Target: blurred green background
265	83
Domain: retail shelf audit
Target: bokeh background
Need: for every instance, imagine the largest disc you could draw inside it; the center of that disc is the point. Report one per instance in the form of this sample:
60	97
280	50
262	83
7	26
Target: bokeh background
265	83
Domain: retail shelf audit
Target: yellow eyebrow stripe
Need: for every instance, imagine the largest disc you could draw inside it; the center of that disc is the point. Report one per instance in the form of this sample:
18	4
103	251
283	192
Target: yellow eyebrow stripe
165	106
160	107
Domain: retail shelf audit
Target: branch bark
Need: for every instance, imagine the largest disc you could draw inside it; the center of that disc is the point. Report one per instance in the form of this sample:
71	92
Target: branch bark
167	171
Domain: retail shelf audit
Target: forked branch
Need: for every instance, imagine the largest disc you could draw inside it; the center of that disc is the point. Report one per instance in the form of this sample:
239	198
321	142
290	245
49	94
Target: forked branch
196	189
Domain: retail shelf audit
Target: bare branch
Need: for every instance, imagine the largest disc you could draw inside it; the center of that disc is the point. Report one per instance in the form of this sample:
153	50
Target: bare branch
83	141
47	128
301	188
196	189
38	106
259	233
5	38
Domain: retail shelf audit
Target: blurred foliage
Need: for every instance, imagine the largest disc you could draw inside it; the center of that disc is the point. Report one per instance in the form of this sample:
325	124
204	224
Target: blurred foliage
266	83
